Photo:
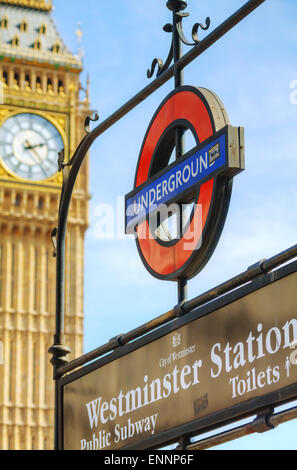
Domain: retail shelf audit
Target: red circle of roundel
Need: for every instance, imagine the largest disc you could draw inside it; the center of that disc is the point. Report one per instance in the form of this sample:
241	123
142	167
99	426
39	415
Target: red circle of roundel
167	262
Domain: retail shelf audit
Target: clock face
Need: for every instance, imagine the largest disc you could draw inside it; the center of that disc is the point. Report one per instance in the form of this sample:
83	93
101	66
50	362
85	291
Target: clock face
29	146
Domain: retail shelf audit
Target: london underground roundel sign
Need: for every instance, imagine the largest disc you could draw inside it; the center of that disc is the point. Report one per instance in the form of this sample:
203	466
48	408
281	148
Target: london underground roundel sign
177	209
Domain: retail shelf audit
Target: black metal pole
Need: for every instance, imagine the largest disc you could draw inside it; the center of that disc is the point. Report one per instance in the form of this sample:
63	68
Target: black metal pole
176	6
182	290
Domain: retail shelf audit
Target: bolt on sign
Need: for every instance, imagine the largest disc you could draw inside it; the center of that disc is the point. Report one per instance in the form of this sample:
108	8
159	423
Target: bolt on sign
201	180
221	362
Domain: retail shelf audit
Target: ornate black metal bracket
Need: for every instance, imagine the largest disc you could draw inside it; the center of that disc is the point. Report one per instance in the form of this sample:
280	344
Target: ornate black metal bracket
195	30
61	156
71	168
168	28
177	35
59	359
88	122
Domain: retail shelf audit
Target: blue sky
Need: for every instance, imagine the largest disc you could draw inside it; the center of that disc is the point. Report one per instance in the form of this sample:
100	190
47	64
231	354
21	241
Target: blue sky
251	69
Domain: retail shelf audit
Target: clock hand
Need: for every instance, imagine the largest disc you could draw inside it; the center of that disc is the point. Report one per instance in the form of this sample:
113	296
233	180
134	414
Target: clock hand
31	147
33	151
34	146
37	157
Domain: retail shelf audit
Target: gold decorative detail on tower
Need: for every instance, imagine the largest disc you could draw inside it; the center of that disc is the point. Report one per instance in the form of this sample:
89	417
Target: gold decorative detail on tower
42	5
41	113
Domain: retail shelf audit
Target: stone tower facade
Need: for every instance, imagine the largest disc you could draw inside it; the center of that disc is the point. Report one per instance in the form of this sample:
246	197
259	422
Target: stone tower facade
42	110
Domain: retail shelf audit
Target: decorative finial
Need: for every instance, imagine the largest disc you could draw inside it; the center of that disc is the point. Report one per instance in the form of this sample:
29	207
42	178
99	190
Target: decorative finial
79	35
176	5
88	88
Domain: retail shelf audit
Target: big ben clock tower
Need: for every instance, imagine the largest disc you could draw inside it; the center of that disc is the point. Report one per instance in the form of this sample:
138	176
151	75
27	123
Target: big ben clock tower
40	114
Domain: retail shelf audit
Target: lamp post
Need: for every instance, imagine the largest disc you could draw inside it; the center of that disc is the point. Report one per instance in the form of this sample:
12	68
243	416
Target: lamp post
70	169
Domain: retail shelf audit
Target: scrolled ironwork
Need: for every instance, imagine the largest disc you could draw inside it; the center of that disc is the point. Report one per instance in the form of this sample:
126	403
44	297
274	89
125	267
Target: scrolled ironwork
168	28
156	62
177	35
61	157
58	350
196	27
195	30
